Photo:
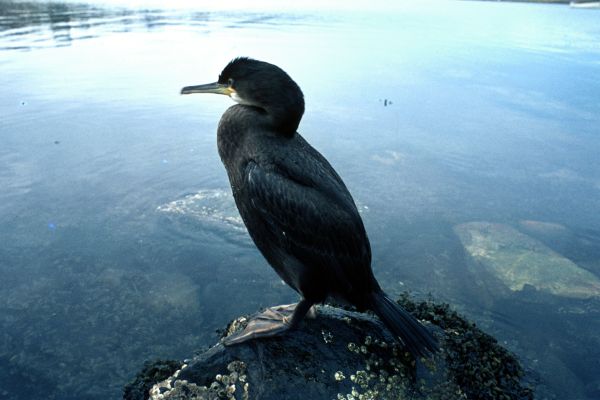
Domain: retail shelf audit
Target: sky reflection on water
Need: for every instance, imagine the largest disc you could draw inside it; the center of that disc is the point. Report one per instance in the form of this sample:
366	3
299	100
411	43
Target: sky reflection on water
120	242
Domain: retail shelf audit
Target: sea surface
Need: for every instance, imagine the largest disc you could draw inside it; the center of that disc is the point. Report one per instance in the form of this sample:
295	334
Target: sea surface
467	132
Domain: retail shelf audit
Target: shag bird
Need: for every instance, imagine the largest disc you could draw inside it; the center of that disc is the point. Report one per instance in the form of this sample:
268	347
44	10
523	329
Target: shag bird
296	207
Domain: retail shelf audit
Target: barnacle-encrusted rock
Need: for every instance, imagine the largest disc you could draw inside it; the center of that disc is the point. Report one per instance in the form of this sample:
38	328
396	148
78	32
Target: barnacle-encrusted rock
356	358
153	372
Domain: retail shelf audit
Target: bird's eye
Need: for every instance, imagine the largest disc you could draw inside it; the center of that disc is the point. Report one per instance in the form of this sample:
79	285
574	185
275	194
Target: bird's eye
230	82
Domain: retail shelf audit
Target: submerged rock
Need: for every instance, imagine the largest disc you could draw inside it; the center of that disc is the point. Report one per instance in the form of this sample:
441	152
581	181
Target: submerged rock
544	229
347	355
521	261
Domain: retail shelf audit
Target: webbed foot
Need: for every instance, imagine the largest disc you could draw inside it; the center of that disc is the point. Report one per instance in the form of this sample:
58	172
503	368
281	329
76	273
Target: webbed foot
269	323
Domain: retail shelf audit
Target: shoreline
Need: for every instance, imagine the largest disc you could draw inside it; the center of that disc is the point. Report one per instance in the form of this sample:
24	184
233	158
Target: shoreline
538	1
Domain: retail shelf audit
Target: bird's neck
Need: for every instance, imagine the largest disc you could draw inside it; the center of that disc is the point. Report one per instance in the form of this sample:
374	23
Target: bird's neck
236	124
284	115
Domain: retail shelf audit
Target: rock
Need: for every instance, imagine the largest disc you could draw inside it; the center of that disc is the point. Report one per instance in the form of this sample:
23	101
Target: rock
152	372
544	229
348	355
556	236
519	260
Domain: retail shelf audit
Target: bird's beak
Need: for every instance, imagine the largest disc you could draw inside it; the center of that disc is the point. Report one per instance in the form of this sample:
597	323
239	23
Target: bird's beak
215	87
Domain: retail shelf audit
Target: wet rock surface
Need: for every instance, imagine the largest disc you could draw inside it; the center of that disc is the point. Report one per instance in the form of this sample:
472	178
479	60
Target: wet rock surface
344	355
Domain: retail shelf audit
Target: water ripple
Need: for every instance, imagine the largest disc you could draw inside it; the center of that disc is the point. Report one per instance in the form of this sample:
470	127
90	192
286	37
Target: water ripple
33	25
214	209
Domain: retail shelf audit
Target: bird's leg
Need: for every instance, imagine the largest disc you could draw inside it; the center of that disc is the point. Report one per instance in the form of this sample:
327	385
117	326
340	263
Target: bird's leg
271	322
290	308
312	312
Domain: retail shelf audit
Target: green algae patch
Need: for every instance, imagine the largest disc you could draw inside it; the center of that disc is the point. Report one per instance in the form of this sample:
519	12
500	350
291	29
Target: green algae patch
519	260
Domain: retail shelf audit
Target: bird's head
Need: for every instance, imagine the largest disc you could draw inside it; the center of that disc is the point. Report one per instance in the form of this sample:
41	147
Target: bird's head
259	84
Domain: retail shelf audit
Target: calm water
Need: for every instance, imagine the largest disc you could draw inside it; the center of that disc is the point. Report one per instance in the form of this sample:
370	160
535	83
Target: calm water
119	241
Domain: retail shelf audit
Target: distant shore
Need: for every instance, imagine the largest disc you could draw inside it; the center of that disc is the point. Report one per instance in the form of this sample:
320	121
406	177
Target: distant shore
532	1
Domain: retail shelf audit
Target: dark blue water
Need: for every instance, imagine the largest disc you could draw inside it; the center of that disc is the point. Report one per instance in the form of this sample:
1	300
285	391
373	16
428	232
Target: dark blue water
119	241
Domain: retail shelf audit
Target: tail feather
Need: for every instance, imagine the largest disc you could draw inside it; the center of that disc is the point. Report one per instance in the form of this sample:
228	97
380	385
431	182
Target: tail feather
419	341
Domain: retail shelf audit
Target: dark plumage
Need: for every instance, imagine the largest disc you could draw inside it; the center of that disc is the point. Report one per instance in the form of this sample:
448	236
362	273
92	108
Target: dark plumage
296	207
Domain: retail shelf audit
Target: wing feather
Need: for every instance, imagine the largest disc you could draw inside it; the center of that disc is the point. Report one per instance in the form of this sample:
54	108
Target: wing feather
317	224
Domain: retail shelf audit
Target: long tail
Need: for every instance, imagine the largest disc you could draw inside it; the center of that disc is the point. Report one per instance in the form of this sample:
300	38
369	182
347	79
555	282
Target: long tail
419	341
